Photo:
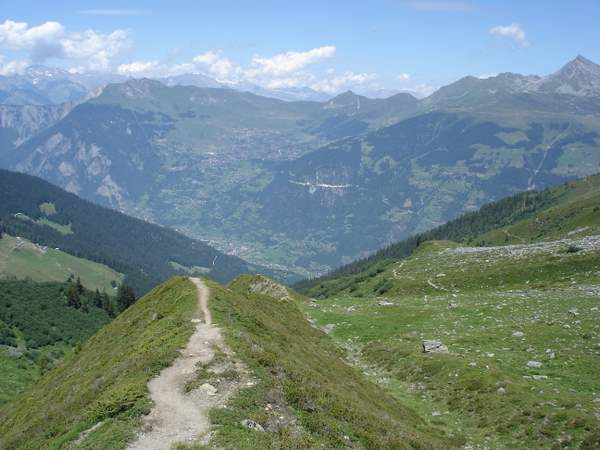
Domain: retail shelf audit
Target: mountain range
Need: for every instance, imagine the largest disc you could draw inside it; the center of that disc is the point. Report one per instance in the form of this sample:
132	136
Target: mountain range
241	170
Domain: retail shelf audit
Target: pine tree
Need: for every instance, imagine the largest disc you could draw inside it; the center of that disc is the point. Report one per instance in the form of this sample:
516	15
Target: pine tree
125	297
73	299
97	299
107	304
79	286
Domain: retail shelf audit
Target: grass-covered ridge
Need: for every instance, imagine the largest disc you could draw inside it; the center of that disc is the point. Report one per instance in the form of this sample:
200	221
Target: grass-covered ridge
104	382
306	395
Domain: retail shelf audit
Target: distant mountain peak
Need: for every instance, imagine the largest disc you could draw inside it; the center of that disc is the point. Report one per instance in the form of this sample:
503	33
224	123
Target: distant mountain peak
578	77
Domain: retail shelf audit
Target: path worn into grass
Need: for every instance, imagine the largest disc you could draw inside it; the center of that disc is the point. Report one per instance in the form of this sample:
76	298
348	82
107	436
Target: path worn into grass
177	416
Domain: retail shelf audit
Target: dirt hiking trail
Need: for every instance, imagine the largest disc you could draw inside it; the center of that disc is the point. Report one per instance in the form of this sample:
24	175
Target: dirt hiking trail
177	416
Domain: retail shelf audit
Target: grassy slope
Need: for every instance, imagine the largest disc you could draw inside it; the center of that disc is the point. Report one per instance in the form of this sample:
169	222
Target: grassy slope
299	372
473	302
16	373
105	381
576	215
20	258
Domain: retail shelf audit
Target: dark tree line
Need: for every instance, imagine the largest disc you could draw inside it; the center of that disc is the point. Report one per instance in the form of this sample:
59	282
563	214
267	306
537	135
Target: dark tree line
138	249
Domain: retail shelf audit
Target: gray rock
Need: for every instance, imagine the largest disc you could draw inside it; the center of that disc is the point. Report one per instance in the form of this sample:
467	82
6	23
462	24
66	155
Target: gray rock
328	328
252	425
518	334
534	364
434	347
384	303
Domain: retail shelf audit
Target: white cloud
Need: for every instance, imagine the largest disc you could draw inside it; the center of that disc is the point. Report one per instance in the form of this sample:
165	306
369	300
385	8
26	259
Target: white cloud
12	67
285	63
138	68
115	12
217	65
513	32
342	82
50	40
403	77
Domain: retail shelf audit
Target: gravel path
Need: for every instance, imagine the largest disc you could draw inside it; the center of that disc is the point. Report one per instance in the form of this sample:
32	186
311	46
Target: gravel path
179	417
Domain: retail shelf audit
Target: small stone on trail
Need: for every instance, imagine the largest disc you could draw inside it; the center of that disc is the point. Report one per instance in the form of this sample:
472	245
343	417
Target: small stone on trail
209	389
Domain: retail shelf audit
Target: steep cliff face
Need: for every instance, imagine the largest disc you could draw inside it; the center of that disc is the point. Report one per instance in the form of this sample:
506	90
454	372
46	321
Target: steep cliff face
20	122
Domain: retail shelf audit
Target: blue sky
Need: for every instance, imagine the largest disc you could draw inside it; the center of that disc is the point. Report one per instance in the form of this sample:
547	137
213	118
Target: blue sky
329	45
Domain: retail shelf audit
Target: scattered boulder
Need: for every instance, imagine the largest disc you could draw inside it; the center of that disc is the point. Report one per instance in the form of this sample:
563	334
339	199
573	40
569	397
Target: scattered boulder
209	389
534	364
252	425
266	286
518	334
501	390
384	303
328	328
434	347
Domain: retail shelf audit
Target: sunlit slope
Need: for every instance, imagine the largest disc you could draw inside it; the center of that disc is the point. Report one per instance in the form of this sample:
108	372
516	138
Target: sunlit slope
20	258
520	323
303	394
306	392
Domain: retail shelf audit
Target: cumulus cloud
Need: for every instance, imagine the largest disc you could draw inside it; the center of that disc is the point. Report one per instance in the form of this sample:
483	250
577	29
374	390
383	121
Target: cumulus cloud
50	40
285	63
217	65
338	83
403	77
12	67
513	32
138	68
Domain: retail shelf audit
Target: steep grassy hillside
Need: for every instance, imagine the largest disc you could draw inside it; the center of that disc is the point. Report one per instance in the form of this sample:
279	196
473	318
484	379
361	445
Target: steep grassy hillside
520	324
304	395
105	380
38	326
549	214
20	258
145	253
